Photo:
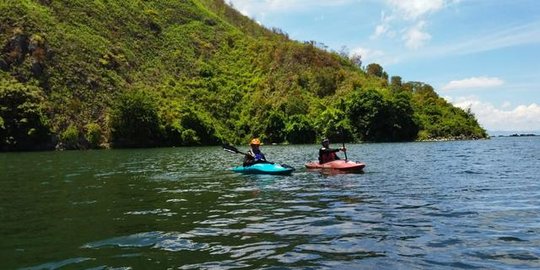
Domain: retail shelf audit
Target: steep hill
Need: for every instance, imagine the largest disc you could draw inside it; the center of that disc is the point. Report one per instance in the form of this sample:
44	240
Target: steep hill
88	74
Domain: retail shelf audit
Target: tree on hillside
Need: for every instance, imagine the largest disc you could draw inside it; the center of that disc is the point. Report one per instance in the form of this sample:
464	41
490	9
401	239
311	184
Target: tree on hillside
420	88
357	60
395	83
405	125
376	118
377	70
368	112
333	123
197	129
274	127
299	129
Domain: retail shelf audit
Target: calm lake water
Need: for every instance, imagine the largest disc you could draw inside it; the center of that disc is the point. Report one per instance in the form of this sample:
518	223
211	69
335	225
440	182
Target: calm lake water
430	205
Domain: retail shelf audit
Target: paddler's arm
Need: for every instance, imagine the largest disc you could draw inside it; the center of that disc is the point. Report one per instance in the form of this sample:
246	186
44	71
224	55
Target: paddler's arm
329	150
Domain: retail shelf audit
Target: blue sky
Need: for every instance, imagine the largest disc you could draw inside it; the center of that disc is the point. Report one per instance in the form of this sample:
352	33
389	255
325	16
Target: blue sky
482	54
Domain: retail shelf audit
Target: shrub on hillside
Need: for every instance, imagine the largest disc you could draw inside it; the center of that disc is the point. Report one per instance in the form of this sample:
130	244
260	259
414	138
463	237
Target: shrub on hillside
299	130
135	120
23	124
375	117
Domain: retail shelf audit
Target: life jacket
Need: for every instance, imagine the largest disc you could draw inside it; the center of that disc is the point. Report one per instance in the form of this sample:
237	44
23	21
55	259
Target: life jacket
258	155
325	156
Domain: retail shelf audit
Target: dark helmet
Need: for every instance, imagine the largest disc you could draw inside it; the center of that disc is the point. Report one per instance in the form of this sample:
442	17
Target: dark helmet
325	141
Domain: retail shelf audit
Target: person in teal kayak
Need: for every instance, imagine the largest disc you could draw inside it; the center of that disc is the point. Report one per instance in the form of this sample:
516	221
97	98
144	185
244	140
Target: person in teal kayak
254	155
327	154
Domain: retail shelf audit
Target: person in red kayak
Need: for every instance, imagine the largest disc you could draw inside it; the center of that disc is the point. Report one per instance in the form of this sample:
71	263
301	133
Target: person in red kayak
327	154
254	155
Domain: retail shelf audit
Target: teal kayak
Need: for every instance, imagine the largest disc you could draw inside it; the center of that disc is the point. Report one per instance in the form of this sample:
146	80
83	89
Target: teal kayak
264	168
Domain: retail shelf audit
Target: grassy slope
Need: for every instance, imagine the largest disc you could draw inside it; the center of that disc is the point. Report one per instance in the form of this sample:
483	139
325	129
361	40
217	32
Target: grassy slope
213	73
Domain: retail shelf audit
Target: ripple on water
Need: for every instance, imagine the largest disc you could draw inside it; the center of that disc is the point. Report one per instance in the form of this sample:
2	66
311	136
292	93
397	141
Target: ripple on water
510	256
222	264
158	212
295	257
510	239
58	264
256	250
167	241
348	246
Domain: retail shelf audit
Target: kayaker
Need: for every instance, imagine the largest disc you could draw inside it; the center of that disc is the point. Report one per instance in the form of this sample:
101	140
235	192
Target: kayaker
254	155
327	154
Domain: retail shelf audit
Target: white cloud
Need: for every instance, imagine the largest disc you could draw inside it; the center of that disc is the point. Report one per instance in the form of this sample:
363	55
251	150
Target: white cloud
380	30
384	27
258	8
473	82
504	118
367	54
416	37
495	39
503	37
410	16
374	56
414	9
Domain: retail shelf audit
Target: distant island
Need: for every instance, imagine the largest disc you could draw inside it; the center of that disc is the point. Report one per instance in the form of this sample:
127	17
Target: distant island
514	133
102	74
520	135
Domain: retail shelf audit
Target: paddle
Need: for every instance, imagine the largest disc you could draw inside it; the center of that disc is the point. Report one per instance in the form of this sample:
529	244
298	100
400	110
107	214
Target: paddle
343	134
232	149
343	144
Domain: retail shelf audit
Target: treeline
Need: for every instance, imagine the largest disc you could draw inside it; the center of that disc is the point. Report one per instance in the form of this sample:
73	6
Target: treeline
92	74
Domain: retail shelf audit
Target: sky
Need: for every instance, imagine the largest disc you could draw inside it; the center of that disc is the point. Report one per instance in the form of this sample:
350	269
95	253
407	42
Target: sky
478	54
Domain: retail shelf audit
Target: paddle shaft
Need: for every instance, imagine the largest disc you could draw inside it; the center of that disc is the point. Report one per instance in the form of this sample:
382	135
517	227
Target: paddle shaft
344	151
232	149
343	134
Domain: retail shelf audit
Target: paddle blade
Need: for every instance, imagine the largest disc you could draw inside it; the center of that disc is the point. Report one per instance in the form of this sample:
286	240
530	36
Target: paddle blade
231	149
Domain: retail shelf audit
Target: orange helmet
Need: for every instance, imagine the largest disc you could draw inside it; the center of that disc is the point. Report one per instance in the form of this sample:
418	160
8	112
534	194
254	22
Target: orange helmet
255	141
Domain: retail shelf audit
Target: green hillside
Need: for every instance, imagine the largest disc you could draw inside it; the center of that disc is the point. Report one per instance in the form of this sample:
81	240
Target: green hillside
77	74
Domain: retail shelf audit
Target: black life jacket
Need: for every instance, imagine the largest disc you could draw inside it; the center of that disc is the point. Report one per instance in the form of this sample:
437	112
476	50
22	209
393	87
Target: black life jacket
327	156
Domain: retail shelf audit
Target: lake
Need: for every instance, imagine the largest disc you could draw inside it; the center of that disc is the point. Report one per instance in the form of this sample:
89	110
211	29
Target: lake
422	205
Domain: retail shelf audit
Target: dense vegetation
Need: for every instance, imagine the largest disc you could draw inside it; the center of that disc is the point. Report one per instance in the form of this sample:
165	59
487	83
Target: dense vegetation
85	74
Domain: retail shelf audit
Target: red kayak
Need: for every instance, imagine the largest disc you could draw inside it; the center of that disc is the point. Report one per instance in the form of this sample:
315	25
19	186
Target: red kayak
340	165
